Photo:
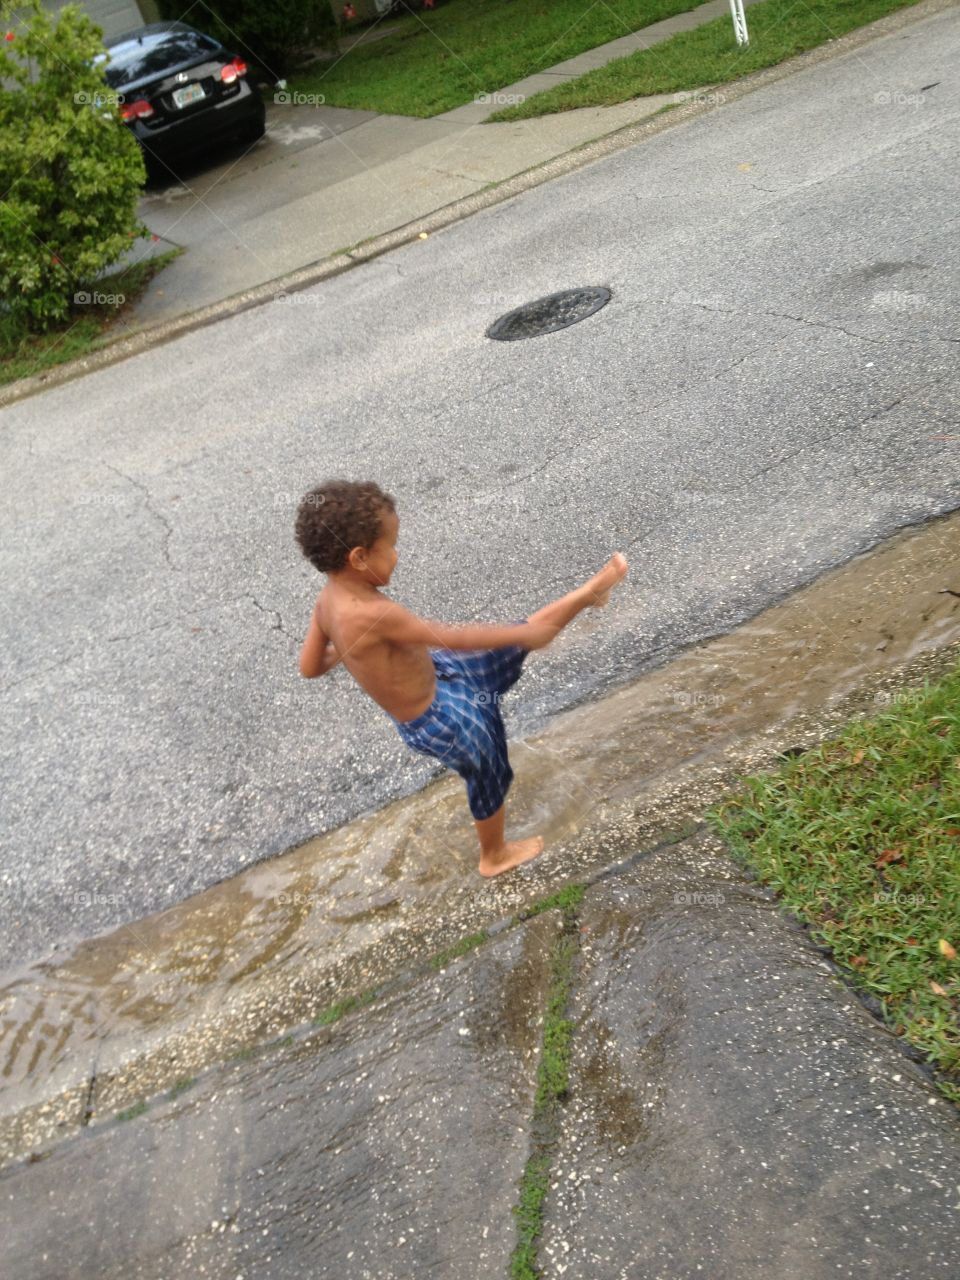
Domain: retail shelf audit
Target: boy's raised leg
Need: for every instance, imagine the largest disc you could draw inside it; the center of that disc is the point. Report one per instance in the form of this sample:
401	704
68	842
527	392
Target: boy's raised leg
497	854
594	592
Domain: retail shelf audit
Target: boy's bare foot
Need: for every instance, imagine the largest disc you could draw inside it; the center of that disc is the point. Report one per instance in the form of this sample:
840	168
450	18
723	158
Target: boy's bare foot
514	852
601	584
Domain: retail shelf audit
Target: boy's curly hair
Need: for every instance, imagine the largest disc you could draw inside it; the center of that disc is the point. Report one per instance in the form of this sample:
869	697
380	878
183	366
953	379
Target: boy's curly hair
337	516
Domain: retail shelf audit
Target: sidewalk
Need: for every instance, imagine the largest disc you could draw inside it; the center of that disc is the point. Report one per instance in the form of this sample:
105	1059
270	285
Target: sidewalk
732	1112
263	214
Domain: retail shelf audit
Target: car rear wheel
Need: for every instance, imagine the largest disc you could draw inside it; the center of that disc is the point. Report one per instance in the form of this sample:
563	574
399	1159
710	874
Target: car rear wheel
253	130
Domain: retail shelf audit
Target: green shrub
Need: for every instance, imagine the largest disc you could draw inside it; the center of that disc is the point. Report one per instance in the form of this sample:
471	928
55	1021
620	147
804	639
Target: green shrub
271	35
70	170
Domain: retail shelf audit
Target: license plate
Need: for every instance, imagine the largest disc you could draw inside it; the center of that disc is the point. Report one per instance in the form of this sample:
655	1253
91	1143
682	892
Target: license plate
189	93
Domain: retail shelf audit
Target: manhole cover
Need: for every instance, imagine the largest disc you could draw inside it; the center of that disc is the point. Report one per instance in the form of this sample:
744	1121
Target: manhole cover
546	315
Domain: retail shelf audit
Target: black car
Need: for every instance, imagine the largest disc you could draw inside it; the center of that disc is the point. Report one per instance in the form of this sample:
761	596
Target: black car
181	91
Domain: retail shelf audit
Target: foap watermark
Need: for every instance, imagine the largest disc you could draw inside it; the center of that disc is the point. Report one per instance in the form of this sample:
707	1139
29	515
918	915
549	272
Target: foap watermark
709	301
294	98
298	299
689	499
91	898
299	499
898	300
898	697
506	301
106	98
297	899
101	499
698	698
694	898
97	698
908	899
711	99
500	99
897	98
86	298
512	500
488	697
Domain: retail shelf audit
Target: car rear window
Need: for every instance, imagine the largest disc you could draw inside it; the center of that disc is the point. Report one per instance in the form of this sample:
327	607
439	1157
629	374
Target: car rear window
152	53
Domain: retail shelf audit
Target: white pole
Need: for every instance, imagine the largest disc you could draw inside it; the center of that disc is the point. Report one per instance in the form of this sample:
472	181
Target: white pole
739	22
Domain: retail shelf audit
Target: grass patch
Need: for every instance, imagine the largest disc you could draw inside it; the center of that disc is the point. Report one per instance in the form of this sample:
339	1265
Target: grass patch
181	1086
137	1109
251	1051
552	1080
438	60
709	55
23	354
342	1007
529	1215
552	1076
565	899
861	838
443	958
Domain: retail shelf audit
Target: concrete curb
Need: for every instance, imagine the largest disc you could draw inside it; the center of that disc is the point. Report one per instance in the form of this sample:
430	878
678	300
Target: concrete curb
448	215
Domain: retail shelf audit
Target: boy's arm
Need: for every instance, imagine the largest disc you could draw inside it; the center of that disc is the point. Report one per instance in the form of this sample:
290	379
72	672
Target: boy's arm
318	654
400	625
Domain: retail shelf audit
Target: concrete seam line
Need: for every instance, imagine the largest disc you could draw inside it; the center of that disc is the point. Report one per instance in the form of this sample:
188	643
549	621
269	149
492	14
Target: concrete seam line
448	215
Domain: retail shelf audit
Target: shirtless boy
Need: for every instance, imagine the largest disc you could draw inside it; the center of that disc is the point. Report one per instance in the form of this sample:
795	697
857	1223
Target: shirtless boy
445	699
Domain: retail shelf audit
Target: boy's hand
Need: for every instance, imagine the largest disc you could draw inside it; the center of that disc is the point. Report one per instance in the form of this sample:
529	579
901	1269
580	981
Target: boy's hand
318	654
330	657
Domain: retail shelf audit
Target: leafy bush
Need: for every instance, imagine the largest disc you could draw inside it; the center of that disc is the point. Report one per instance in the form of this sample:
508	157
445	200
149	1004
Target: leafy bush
271	35
70	170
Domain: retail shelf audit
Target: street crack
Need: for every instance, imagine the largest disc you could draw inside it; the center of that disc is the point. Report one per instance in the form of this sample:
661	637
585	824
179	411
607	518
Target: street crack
148	503
276	626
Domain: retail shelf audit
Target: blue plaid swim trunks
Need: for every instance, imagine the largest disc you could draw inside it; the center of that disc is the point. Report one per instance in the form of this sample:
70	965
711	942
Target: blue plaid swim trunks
463	727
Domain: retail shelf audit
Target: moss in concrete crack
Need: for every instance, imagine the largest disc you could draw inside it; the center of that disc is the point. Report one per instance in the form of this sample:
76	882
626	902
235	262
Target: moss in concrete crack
529	1215
244	1055
567	898
557	1029
443	958
351	1003
181	1086
131	1112
551	1092
673	835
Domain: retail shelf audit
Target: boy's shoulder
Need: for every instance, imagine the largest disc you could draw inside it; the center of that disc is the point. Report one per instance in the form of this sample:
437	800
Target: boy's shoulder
348	612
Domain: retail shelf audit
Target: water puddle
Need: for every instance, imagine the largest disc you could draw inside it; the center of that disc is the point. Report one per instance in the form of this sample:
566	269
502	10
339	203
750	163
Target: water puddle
252	956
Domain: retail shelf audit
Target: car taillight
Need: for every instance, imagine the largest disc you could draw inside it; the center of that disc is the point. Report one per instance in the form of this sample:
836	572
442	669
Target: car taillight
136	110
233	69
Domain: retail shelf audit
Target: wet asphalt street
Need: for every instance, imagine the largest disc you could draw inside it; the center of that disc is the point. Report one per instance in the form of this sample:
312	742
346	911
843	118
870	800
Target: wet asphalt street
772	389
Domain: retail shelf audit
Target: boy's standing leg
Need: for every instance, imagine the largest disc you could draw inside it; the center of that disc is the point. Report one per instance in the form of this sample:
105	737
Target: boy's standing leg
496	854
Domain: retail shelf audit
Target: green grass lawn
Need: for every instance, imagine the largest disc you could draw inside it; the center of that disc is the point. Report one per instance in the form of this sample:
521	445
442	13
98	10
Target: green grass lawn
709	55
441	59
861	839
24	354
